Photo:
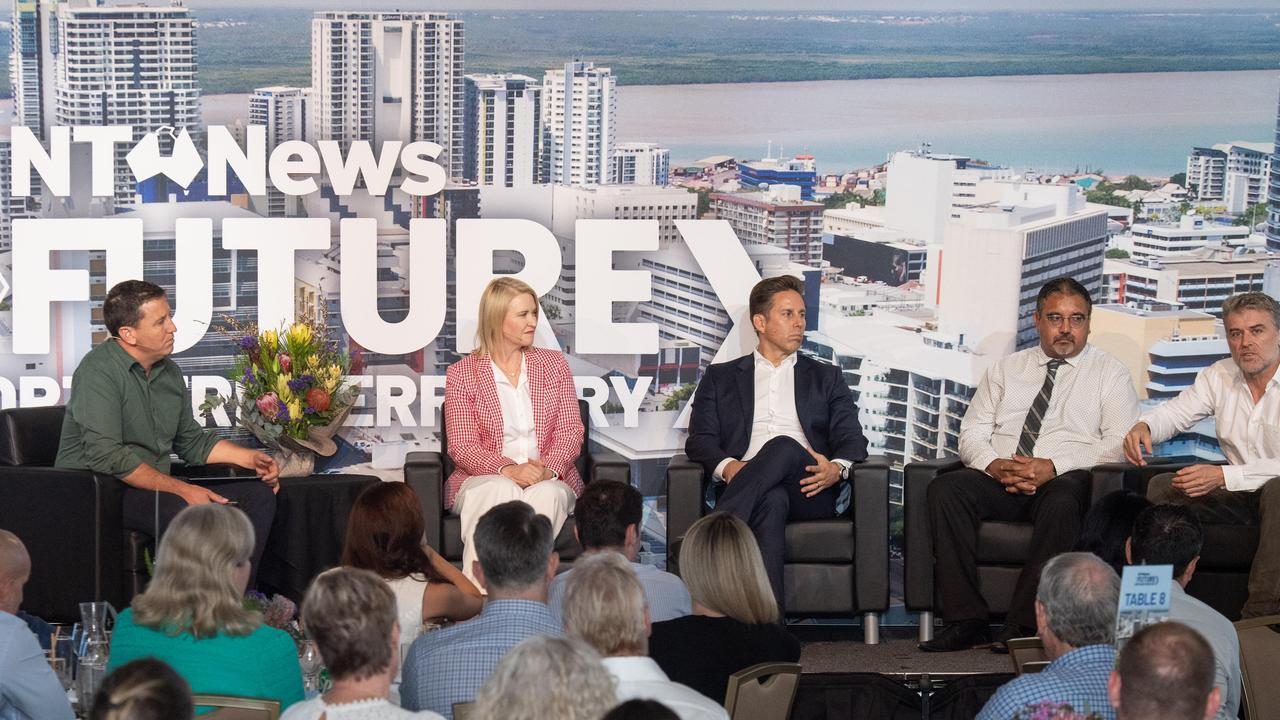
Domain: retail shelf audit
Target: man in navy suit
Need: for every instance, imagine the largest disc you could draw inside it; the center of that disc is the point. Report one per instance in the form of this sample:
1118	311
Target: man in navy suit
778	432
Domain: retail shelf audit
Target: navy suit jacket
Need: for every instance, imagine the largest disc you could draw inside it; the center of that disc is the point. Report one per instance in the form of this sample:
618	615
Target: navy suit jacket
724	405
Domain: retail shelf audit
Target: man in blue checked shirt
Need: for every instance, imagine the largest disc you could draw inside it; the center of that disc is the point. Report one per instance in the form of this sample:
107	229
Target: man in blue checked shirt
1075	618
516	564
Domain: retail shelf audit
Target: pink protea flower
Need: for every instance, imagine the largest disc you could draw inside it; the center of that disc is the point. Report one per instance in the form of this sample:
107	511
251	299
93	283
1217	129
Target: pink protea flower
286	362
269	405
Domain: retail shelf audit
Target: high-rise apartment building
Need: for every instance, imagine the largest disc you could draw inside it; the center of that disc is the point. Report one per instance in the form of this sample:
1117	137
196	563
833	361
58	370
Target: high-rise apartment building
34	42
641	163
384	76
579	103
11	208
1235	173
127	65
775	217
1198	280
502	137
1273	193
284	111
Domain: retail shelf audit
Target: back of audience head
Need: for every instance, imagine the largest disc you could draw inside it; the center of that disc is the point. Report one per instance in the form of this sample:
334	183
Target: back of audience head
144	689
201	568
515	549
15	568
1076	600
720	563
641	710
608	515
1108	525
1167	535
604	606
384	533
351	613
547	677
1165	672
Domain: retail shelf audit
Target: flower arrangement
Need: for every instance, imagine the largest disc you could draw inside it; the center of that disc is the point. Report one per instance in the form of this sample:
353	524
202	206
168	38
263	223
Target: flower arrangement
1050	710
293	391
278	612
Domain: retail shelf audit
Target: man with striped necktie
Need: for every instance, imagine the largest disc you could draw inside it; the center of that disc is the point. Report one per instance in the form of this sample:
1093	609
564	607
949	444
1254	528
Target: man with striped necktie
1040	419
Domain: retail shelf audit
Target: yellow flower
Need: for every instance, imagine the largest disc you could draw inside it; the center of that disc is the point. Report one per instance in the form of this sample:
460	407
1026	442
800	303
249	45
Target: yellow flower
313	364
295	409
299	334
271	340
282	387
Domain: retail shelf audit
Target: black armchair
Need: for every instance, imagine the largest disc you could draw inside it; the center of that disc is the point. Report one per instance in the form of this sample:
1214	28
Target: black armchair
838	567
1002	546
426	473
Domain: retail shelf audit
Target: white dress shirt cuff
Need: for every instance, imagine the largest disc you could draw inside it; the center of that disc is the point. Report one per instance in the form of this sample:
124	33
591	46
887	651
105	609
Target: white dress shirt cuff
1235	478
845	467
981	462
718	475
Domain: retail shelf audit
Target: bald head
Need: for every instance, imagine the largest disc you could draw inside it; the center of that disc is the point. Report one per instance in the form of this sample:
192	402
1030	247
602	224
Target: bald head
15	566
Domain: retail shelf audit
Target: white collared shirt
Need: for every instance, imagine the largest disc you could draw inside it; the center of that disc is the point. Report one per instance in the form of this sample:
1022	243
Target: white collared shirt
1092	407
1248	433
774	411
640	678
519	437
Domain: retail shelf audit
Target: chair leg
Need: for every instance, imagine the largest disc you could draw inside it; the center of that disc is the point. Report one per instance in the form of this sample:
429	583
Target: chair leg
926	625
871	628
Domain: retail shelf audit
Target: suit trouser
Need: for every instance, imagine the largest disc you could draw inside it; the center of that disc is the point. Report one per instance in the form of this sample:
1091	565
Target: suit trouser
1260	507
151	512
961	500
550	498
766	493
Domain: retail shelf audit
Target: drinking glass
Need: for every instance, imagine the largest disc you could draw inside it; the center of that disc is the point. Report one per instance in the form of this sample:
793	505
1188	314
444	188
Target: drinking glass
310	663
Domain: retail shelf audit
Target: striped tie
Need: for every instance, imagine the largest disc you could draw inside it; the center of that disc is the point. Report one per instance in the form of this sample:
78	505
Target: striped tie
1035	416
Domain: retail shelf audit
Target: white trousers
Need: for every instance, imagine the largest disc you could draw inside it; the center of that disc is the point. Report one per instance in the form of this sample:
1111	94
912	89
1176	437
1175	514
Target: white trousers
550	498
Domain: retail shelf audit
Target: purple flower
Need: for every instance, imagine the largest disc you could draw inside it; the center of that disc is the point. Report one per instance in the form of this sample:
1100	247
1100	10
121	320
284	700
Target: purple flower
308	410
308	379
298	384
248	375
249	344
283	413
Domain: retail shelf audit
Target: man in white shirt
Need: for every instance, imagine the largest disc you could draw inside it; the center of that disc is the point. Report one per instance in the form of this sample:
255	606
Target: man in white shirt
1241	394
777	431
28	686
604	607
1040	419
1171	535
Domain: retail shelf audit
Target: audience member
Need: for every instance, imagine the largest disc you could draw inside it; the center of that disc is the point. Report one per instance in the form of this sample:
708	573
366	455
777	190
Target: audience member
143	689
1039	420
546	678
1238	393
1164	673
516	563
735	622
1108	524
192	614
131	408
28	686
351	613
641	710
511	414
384	535
1075	617
604	606
1171	535
607	518
777	431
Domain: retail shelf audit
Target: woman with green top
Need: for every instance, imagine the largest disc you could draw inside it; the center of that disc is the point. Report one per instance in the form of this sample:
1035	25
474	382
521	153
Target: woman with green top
192	615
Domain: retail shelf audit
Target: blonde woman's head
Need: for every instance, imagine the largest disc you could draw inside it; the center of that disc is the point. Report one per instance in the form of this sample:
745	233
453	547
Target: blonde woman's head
547	677
604	605
508	315
202	563
720	563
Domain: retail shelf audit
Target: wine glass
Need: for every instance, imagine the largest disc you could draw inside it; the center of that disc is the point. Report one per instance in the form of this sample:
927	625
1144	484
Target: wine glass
64	649
309	660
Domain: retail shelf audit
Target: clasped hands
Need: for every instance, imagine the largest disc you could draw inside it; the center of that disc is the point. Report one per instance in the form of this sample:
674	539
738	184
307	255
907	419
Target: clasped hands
825	474
1193	480
1021	475
527	473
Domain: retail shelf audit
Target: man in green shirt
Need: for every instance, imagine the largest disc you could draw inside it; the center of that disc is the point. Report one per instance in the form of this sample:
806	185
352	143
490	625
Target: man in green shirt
130	408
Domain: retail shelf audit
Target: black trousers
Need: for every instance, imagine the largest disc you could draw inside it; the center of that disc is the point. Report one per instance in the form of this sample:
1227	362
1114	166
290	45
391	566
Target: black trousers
151	512
961	500
766	493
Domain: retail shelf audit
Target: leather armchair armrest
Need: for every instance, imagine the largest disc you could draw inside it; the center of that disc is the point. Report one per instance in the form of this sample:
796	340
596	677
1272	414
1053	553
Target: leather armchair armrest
870	509
608	466
686	487
917	534
424	472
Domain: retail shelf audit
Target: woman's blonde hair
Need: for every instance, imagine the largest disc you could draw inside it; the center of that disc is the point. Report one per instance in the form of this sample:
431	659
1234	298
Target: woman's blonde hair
144	689
494	301
604	605
720	563
547	677
350	612
193	589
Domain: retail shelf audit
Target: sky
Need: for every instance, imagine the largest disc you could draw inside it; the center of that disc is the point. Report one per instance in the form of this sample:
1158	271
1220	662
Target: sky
786	6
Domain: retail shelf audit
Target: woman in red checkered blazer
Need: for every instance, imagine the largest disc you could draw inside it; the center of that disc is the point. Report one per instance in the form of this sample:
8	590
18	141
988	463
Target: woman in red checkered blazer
511	413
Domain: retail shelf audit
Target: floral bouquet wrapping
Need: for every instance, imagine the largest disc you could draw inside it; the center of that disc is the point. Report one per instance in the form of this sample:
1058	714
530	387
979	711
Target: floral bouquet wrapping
278	612
293	392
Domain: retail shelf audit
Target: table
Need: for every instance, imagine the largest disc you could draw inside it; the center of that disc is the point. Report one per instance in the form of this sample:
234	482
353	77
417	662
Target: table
309	529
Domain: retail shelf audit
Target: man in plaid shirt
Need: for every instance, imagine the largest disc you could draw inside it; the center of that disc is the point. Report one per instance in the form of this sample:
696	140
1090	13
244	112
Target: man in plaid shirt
517	563
1075	618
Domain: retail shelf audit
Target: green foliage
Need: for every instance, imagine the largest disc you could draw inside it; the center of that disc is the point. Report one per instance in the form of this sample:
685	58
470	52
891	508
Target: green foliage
704	202
552	311
1179	179
1116	254
678	397
1105	194
1253	215
1133	182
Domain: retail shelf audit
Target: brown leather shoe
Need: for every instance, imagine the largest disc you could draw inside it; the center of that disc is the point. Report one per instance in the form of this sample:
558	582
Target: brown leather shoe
962	635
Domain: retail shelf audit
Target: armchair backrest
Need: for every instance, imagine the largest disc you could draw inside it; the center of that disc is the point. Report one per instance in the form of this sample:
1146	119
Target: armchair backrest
583	410
30	436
